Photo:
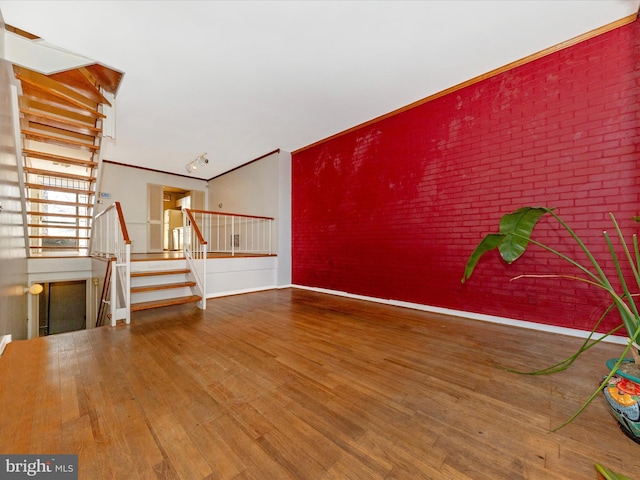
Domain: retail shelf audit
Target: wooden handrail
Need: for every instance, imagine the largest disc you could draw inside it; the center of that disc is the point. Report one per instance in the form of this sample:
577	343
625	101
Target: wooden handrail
105	294
233	214
195	225
123	226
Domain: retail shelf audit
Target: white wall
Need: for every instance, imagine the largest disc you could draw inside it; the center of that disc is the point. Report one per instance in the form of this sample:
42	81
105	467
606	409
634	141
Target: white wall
284	224
128	185
261	188
250	190
229	276
13	257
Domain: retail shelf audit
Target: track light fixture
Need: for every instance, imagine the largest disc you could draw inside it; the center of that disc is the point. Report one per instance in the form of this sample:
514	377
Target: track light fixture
200	161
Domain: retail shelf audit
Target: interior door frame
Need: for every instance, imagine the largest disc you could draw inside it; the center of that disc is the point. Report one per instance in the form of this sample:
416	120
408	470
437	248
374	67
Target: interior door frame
155	218
33	304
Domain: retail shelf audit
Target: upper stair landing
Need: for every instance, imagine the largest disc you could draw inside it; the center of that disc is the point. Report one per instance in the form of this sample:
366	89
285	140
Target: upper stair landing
62	123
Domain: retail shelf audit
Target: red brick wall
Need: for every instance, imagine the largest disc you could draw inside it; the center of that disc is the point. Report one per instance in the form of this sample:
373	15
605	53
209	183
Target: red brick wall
393	209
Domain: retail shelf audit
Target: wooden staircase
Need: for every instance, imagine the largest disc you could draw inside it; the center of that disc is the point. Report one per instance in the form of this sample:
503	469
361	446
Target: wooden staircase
61	126
161	283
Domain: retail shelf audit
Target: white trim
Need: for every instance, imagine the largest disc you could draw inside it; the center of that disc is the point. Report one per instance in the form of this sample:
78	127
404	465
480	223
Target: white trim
572	332
40	55
4	341
240	292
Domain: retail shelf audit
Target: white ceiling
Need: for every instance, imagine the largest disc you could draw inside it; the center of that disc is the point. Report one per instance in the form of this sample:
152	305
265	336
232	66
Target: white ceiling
239	79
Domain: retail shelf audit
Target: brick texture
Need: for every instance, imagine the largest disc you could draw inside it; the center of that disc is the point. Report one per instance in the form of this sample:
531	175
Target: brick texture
393	210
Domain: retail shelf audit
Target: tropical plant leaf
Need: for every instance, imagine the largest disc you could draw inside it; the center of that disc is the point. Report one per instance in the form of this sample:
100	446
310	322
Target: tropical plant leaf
610	474
488	243
517	228
512	241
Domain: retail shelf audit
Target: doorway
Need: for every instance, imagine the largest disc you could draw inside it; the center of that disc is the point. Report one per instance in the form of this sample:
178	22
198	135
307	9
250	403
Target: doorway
173	200
160	225
62	307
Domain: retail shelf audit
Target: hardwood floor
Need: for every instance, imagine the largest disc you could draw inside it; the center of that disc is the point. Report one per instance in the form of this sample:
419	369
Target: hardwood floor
293	384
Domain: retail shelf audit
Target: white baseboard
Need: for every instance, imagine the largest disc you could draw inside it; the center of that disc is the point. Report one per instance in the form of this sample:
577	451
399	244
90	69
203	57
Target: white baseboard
239	292
572	332
4	341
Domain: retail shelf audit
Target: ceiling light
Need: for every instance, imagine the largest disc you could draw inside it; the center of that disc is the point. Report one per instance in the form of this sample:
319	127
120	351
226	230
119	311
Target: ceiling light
200	161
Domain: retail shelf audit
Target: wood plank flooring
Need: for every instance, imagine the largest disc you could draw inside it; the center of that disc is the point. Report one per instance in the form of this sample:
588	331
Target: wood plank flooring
293	384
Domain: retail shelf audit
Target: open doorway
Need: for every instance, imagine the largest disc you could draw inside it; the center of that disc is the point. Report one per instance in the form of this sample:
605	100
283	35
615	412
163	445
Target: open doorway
173	201
164	229
62	307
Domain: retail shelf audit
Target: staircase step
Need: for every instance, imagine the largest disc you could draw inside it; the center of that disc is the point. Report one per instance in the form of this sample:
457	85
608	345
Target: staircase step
52	188
66	123
84	81
58	202
150	273
60	132
53	225
135	307
51	173
164	286
58	158
63	92
66	215
38	104
54	140
59	237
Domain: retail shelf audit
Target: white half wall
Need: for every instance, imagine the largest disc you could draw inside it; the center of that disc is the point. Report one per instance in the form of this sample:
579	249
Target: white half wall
229	276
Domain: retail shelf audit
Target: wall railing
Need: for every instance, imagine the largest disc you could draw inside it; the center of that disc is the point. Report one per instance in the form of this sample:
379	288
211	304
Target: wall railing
195	252
216	232
110	239
235	233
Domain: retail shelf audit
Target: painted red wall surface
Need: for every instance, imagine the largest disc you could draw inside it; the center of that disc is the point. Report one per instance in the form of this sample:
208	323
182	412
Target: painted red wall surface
393	209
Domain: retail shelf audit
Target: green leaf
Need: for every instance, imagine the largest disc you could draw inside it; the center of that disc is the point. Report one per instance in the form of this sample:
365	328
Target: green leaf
517	228
610	474
512	241
489	242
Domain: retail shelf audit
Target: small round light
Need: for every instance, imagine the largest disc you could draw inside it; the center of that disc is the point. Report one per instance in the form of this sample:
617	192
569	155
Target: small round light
35	289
